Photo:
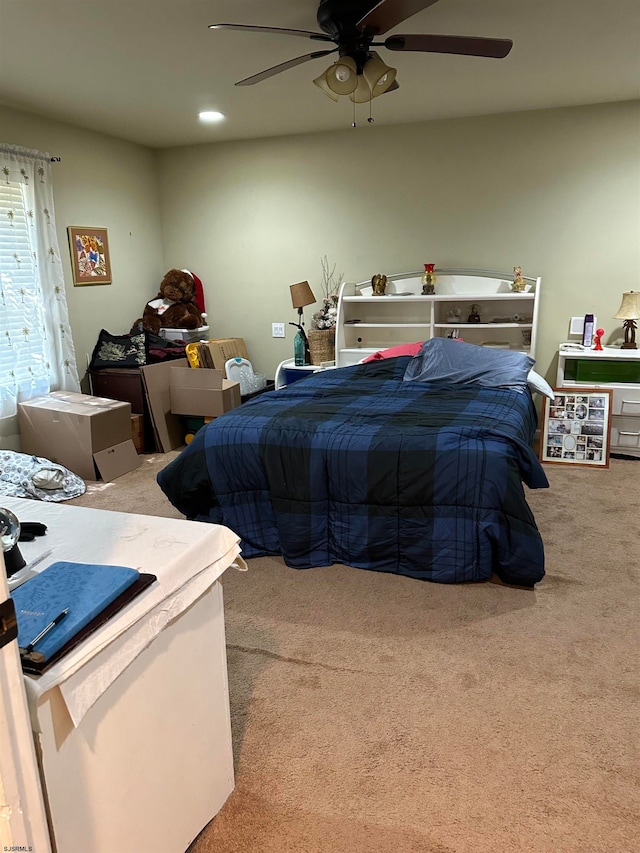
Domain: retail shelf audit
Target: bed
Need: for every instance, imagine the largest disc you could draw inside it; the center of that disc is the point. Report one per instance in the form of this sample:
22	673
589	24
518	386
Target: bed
359	466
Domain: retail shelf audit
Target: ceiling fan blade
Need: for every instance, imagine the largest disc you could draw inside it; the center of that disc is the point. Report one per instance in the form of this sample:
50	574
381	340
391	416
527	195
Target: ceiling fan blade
462	45
276	69
278	30
387	14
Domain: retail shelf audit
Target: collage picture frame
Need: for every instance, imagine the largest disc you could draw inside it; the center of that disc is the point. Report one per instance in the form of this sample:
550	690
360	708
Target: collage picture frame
576	427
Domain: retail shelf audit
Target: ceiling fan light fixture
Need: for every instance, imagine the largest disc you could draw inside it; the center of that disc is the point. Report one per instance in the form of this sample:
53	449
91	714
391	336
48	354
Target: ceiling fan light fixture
321	83
359	72
342	77
362	94
378	75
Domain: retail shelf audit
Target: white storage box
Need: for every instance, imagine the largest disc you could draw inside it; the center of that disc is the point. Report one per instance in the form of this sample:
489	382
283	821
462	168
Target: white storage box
186	335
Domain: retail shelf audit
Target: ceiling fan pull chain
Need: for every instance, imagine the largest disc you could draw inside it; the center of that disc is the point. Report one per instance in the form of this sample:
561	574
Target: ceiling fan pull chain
353	123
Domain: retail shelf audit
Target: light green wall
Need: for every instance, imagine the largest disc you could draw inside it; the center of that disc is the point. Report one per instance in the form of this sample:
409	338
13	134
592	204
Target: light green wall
103	182
555	191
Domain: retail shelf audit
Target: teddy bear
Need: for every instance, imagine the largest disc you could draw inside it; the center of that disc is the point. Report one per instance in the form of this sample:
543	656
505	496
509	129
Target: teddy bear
175	305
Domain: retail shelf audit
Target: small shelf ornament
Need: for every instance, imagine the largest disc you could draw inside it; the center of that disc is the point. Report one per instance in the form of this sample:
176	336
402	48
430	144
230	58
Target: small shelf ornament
519	284
429	280
598	340
474	314
379	284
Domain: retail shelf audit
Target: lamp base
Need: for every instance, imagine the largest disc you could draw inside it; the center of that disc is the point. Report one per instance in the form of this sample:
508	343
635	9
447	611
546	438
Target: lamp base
13	561
630	327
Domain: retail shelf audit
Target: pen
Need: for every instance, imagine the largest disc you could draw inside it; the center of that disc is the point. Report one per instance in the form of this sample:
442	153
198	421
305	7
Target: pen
39	559
45	630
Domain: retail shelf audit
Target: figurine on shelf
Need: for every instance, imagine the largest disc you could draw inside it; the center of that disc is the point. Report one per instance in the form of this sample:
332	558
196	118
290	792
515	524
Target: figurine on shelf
598	340
474	316
454	315
429	280
519	284
379	284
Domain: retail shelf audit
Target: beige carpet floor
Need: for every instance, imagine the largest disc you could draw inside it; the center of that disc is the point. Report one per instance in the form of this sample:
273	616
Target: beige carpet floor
377	714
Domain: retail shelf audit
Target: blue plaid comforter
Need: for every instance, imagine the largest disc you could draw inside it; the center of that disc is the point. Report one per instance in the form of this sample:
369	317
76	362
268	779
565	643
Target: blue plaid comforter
355	466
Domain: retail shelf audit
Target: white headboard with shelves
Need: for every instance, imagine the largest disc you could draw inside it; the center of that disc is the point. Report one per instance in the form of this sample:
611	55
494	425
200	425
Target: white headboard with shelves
507	319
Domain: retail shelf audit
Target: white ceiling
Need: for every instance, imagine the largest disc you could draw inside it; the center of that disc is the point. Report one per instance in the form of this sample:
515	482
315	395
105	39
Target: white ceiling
142	69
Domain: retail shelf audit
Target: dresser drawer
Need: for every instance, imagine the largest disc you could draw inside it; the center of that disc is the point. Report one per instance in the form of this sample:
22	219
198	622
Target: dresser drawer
626	400
119	384
625	433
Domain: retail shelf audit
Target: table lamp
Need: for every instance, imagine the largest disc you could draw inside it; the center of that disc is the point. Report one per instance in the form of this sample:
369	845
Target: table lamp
629	311
301	295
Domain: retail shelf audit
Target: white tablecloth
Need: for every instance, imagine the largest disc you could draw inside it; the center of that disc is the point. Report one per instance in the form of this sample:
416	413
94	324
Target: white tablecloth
186	556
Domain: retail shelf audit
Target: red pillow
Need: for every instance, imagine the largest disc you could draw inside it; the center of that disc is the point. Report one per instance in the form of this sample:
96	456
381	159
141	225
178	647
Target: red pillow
394	352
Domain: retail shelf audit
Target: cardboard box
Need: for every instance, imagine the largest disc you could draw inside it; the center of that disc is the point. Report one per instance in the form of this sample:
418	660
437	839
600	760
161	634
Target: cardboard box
117	460
222	349
167	427
77	430
137	432
201	391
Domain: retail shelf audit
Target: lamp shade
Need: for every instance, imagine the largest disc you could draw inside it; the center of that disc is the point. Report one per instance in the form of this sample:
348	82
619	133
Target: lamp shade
630	307
321	83
378	75
301	294
362	93
342	76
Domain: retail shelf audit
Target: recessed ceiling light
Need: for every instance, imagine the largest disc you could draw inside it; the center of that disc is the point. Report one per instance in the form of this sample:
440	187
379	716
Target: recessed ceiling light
210	115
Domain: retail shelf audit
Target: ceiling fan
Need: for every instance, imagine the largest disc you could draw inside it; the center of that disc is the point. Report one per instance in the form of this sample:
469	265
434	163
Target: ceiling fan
353	26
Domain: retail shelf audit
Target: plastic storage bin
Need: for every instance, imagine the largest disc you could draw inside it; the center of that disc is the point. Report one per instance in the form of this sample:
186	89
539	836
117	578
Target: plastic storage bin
241	370
186	335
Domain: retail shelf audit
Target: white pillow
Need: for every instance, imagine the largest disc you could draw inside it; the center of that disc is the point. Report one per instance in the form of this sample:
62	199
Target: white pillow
539	383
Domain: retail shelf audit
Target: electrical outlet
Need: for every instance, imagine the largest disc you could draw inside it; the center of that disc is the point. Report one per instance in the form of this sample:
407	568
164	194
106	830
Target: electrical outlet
277	330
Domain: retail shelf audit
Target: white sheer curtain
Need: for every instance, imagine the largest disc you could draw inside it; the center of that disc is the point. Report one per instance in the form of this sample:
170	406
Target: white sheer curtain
36	347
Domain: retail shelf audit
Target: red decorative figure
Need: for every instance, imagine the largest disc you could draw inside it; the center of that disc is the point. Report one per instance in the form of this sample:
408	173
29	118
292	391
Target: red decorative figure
598	340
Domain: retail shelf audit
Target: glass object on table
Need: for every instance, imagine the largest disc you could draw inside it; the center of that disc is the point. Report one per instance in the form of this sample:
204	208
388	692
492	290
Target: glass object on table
9	536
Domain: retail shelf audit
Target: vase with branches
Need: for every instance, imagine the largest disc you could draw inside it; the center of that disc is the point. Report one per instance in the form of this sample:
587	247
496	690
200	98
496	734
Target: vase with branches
325	317
323	322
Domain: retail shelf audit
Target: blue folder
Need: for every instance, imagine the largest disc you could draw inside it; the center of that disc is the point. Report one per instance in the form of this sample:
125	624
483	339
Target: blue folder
86	589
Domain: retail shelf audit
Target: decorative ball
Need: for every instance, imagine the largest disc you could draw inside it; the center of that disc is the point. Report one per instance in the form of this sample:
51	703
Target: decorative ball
9	529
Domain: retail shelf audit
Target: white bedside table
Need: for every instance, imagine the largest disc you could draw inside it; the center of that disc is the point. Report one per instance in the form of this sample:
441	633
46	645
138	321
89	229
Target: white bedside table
288	368
615	369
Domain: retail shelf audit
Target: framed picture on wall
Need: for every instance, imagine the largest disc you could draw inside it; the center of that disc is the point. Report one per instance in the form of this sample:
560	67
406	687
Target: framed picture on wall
576	427
90	260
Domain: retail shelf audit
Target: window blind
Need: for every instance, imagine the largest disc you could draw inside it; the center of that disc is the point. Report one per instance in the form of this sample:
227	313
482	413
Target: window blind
25	356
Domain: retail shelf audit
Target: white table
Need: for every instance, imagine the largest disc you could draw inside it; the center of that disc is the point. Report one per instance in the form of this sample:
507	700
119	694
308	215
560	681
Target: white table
133	727
618	370
289	365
